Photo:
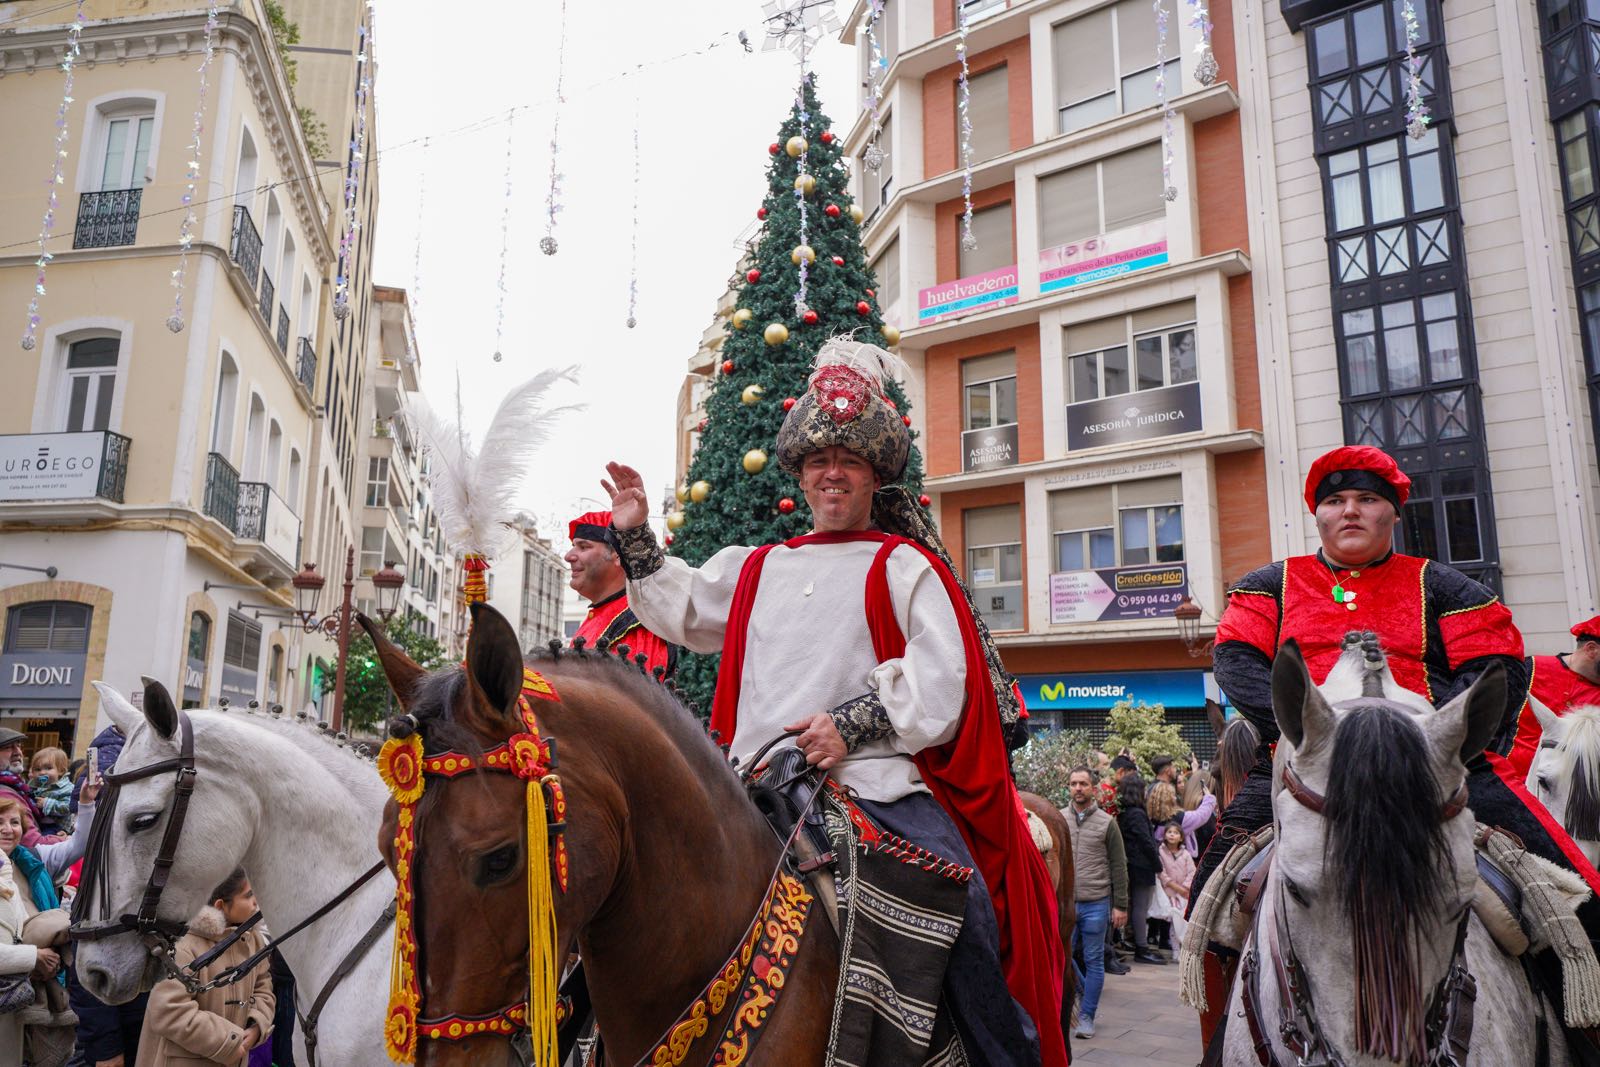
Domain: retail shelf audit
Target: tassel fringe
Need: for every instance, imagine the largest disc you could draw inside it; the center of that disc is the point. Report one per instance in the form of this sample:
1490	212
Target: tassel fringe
1207	910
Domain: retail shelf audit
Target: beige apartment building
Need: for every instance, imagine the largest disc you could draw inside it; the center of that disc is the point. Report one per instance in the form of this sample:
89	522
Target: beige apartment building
157	489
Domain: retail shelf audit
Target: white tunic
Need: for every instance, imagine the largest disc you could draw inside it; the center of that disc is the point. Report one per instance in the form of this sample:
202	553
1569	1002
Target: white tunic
808	648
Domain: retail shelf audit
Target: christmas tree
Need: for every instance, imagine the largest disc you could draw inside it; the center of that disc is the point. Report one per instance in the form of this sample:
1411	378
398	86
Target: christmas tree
736	493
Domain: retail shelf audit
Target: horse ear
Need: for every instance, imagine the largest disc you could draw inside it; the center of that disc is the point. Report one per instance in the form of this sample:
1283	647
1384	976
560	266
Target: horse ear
494	659
123	715
400	669
1217	717
1296	702
1485	710
1549	721
159	710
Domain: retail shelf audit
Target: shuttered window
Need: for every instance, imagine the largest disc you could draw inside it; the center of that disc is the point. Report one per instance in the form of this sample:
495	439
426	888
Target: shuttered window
887	269
243	646
992	227
1101	197
1105	63
989	111
48	626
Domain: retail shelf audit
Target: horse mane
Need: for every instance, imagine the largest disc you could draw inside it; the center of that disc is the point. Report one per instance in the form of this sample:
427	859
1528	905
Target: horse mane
1385	851
1578	763
334	751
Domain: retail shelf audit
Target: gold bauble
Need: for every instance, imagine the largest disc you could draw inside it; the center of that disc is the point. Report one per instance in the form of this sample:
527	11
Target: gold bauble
805	184
682	493
856	214
752	394
775	334
891	336
796	146
699	491
755	461
675	520
742	317
805	252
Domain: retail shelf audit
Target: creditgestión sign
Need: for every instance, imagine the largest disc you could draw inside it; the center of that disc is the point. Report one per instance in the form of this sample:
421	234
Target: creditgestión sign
50	466
1142	416
984	450
1117	594
1091	691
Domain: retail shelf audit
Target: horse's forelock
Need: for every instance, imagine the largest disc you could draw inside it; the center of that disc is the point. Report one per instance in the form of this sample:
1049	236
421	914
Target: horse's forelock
1578	764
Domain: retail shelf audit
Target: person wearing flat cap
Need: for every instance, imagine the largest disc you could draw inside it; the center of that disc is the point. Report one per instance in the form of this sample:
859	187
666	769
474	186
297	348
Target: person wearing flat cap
858	641
597	577
1561	682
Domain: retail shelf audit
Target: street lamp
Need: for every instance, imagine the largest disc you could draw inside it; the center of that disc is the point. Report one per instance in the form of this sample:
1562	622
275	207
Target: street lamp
308	591
1189	615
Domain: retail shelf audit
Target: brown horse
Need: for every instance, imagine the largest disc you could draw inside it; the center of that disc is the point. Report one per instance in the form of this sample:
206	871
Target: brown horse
1058	861
670	859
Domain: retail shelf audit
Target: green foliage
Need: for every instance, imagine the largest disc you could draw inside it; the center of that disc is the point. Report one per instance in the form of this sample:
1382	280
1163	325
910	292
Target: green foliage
366	691
284	34
316	132
1045	763
743	508
1143	730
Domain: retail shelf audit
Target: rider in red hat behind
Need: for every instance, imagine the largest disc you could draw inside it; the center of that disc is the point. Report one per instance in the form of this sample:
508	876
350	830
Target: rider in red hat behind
597	577
1561	682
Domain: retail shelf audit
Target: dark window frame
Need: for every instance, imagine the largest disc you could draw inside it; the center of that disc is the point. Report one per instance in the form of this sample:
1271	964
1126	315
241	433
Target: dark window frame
1363	121
56	627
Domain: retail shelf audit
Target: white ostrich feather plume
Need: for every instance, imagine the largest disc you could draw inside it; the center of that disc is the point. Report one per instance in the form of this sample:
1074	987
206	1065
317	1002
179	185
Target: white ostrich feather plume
475	489
875	363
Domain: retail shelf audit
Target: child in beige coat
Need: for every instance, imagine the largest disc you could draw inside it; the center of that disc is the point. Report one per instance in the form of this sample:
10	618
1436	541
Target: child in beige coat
224	1024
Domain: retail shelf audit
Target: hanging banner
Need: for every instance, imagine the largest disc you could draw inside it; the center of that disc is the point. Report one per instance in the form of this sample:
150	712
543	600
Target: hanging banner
984	450
1120	420
950	300
1117	594
1110	255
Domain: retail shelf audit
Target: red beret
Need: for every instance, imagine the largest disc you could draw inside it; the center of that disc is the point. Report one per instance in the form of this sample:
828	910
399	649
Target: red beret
591	526
1381	475
1589	628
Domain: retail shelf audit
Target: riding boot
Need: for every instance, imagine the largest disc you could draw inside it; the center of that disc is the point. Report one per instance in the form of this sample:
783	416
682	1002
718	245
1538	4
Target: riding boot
1218	967
1544	974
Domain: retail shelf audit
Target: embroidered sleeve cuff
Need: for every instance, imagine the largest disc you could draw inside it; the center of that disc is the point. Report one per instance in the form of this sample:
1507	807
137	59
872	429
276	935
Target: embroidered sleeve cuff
860	720
641	556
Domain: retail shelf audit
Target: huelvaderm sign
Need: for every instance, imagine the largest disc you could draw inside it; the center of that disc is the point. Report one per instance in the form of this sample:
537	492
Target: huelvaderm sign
949	300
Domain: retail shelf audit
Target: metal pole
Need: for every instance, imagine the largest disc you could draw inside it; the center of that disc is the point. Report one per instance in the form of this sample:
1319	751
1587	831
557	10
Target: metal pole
345	613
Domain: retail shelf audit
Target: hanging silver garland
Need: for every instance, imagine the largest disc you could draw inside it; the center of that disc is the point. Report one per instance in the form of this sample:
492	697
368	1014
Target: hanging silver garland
57	179
505	237
1205	68
1417	117
352	179
877	62
180	275
1169	192
415	298
969	241
633	274
552	204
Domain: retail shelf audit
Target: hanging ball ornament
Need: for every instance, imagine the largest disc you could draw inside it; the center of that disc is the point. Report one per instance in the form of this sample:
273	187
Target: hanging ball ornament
755	461
675	521
632	322
788	402
832	211
699	491
761	213
682	493
805	252
891	336
341	309
810	317
668	540
752	275
773	148
175	324
786	506
796	146
906	419
826	137
924	499
498	357
805	184
742	317
775	334
1169	194
700	426
547	245
873	157
856	214
28	342
863	308
838	261
1205	71
752	394
871	293
727	366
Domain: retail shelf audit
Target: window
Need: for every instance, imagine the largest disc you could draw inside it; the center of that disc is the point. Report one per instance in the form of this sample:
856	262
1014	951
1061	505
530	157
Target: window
975	9
243	646
125	152
988	109
199	637
1105	63
91	383
378	482
1358	64
1101	197
1576	134
1149	349
371	550
227	399
1128	524
48	626
992	228
274	672
1403	345
877	186
886	268
989	388
1382	188
994	563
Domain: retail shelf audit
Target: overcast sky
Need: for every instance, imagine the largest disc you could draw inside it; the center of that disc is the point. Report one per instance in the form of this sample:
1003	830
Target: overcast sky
705	122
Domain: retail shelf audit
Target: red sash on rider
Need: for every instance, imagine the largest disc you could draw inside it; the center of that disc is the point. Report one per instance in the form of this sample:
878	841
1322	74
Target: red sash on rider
969	776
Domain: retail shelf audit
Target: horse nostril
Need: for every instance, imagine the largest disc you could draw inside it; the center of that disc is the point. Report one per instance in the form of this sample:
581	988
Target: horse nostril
97	980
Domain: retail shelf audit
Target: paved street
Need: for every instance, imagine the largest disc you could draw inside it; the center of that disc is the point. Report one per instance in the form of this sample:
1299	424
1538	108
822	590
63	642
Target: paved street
1140	1022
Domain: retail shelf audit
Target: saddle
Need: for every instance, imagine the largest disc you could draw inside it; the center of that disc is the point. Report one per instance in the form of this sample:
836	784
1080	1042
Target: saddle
779	791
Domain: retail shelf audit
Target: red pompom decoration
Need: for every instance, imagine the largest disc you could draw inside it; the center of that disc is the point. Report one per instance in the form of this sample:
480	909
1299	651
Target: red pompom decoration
727	366
838	261
832	211
827	137
752	276
863	308
788	402
906	419
761	213
772	148
809	318
924	500
786	505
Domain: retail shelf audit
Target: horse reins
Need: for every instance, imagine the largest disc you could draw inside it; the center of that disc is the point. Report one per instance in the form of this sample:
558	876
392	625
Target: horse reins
1449	1018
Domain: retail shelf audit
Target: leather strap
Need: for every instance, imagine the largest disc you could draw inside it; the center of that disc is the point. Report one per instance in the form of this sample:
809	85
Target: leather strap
1314	801
308	1021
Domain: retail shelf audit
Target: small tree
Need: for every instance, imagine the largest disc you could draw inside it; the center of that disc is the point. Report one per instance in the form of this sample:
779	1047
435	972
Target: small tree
1045	763
367	700
1144	731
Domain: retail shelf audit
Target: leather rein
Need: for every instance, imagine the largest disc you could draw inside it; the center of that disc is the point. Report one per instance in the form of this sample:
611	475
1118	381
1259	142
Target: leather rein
1449	1018
164	933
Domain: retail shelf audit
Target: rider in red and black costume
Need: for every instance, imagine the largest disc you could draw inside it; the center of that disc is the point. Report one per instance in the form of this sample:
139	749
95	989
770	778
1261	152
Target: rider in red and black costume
597	576
1561	683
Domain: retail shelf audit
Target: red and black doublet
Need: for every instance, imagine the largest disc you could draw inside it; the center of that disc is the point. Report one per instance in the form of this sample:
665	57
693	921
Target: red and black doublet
611	620
1559	688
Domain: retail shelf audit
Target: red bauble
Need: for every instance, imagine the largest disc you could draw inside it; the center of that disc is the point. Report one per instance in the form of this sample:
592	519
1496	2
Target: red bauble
788	402
832	211
727	366
752	276
786	505
906	419
809	318
669	538
827	137
761	213
871	293
772	148
701	426
838	261
924	500
863	308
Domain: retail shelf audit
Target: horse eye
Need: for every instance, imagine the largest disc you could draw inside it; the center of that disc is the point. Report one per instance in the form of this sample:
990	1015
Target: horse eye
1294	891
497	865
1544	781
140	823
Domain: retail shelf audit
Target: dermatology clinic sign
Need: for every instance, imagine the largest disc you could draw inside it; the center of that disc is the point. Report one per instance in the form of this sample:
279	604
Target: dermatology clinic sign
50	466
950	300
1118	420
1117	594
1110	255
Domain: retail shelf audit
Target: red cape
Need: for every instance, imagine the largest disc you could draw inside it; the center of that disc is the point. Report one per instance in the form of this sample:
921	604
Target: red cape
970	776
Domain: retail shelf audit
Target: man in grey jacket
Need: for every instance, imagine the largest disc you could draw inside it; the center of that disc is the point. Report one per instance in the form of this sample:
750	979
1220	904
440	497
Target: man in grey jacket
1100	887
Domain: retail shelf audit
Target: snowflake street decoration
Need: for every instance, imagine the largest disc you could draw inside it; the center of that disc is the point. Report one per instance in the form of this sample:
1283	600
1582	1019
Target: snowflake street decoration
1416	111
1205	68
798	25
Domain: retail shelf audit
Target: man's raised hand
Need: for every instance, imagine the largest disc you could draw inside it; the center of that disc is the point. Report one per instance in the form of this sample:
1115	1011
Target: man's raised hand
629	506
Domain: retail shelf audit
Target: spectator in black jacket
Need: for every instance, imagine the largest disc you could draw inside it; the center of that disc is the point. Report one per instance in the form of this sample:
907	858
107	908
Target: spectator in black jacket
1144	862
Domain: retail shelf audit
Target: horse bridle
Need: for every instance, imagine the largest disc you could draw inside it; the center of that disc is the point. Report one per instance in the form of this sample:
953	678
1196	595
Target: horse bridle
1449	1019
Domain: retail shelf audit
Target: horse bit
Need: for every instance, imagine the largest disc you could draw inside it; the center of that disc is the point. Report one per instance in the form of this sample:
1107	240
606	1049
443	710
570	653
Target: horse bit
164	933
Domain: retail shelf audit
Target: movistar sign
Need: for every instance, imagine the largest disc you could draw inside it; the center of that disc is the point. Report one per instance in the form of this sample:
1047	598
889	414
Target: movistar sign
1173	689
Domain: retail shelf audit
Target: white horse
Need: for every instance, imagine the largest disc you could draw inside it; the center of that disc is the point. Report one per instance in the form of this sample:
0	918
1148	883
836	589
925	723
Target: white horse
1565	775
298	812
1365	914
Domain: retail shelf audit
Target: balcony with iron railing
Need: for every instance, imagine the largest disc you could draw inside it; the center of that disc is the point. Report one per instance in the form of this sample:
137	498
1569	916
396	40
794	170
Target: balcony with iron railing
221	500
283	330
269	296
245	244
63	466
305	365
107	218
270	530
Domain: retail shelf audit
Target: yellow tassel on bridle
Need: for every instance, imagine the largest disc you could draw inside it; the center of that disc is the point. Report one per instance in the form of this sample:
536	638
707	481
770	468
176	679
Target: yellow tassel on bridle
541	933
